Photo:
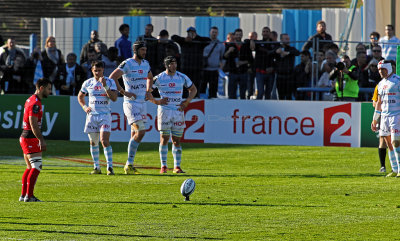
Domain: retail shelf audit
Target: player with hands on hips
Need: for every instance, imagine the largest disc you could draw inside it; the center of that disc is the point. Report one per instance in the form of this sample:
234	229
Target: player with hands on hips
98	114
135	73
388	109
170	112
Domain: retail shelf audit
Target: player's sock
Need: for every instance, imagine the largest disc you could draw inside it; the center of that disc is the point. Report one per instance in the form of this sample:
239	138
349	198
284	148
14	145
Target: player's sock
31	181
132	148
108	155
163	154
94	151
397	155
177	154
24	181
393	161
382	156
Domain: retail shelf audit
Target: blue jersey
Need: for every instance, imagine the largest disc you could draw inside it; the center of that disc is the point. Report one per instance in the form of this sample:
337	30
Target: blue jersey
171	87
98	99
389	91
135	78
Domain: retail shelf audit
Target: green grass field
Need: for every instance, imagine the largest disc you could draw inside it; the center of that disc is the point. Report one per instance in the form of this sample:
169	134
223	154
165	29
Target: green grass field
243	192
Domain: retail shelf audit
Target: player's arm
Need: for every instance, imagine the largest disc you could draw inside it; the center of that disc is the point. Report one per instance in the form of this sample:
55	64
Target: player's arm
33	121
377	114
82	102
112	94
192	93
149	90
115	75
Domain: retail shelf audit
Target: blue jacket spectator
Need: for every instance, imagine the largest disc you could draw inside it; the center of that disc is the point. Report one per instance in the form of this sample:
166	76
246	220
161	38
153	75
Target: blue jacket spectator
123	44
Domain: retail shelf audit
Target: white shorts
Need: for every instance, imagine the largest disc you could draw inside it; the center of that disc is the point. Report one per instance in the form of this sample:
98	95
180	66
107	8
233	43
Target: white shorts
98	123
173	120
135	112
390	126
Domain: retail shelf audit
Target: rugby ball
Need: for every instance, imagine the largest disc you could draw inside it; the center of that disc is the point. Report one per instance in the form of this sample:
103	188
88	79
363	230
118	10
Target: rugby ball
188	187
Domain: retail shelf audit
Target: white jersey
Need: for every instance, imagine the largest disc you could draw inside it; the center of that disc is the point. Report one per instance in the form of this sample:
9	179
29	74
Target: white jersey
98	99
171	87
389	91
135	78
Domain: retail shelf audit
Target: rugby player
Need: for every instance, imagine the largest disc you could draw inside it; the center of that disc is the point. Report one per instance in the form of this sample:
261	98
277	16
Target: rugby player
388	109
32	141
98	119
171	118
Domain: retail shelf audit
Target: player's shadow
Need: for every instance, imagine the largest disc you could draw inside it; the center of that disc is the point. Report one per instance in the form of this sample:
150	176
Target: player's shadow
58	224
122	235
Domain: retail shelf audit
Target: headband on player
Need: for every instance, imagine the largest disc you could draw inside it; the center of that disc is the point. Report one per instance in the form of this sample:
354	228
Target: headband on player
387	66
137	45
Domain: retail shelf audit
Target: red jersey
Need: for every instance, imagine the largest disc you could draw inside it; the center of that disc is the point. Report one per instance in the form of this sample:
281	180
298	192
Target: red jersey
33	107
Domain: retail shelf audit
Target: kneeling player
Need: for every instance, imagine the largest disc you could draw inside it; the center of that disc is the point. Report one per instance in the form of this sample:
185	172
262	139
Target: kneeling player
98	120
171	118
32	141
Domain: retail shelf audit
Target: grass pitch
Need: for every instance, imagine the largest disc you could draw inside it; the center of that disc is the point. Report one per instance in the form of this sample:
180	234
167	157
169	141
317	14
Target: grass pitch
243	192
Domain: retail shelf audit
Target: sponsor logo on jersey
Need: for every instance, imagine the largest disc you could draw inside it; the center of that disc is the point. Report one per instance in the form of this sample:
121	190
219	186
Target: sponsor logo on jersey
139	86
97	87
171	85
140	71
99	102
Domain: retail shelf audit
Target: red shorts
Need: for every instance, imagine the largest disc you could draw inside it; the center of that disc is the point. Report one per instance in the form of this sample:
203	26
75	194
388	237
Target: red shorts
29	145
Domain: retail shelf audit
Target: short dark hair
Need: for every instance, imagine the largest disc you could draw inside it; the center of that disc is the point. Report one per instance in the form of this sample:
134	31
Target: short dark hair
238	30
391	26
43	82
72	54
150	25
214	27
122	27
375	34
98	64
164	33
321	22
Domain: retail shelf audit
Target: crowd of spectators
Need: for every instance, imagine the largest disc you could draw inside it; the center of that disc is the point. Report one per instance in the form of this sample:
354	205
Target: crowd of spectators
256	68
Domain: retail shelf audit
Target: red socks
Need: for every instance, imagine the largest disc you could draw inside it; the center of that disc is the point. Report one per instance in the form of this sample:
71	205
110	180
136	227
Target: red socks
24	182
32	177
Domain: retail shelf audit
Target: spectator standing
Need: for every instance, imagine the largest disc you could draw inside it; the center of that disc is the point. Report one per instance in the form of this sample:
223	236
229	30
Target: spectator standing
237	55
123	44
33	70
213	55
253	36
285	68
165	47
110	61
8	60
389	43
87	66
52	59
302	74
373	41
151	44
264	64
192	47
71	77
320	35
345	82
94	38
376	53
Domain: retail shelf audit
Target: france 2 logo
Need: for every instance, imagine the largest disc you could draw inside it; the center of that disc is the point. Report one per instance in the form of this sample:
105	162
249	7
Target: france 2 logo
194	120
337	125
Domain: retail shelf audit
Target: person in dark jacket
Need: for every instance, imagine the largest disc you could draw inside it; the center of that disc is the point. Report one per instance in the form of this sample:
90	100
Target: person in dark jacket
192	47
238	57
320	35
285	68
52	59
10	61
71	77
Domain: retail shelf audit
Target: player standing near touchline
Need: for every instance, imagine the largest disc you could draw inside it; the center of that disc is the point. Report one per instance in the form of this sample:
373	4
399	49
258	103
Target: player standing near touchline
388	108
170	116
98	119
32	141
